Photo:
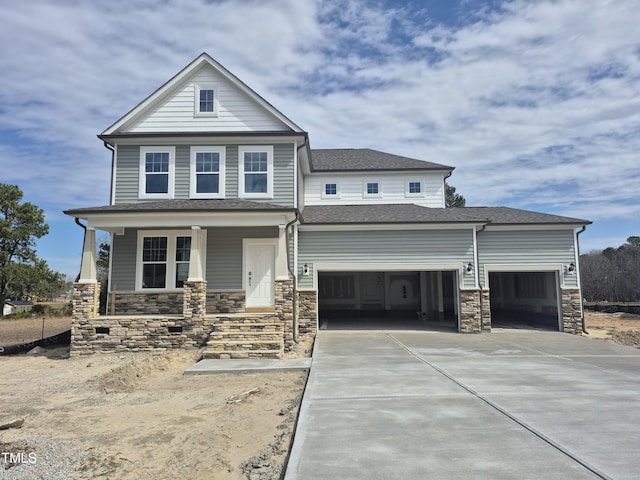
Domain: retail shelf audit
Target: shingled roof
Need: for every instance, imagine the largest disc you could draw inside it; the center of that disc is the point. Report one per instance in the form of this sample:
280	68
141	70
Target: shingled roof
409	213
212	205
364	159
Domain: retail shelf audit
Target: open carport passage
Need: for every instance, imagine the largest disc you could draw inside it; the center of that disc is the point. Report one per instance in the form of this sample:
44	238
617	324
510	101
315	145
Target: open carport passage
416	405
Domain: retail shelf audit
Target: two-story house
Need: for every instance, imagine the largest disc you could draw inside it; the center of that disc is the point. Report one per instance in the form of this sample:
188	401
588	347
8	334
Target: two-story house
228	229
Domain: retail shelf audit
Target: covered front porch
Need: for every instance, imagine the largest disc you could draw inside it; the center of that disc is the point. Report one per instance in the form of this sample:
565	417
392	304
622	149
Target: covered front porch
161	280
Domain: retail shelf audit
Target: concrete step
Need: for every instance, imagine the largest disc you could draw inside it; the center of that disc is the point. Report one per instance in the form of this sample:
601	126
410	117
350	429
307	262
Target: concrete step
242	354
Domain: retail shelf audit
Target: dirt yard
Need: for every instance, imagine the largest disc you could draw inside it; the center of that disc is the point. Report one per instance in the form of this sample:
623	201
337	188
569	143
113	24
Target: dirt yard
622	328
136	416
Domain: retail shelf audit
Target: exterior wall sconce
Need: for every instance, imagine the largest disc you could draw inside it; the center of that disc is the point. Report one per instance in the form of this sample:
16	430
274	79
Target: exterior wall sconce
469	268
571	268
305	269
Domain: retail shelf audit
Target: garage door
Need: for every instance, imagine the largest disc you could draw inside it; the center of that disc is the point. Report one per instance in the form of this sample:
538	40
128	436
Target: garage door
524	300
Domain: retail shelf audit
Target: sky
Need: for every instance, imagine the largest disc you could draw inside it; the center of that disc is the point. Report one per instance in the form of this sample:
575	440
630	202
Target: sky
536	103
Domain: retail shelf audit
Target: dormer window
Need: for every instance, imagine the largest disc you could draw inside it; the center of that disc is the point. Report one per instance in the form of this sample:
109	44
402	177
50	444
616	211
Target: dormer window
205	101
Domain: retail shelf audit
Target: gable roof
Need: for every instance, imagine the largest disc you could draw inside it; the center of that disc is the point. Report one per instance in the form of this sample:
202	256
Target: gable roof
410	213
182	75
363	159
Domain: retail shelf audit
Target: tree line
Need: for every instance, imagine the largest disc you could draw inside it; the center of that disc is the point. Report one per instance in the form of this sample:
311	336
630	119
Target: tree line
612	274
23	275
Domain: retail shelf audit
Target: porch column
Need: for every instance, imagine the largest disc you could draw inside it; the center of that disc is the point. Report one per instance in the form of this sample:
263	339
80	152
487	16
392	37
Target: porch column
88	265
195	256
282	272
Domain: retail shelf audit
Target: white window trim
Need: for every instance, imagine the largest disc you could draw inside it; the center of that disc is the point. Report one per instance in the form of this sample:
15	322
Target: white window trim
196	99
407	192
142	173
171	256
242	149
372	195
324	189
193	174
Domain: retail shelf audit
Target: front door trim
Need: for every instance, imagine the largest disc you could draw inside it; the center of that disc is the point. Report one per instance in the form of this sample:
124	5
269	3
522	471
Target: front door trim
247	243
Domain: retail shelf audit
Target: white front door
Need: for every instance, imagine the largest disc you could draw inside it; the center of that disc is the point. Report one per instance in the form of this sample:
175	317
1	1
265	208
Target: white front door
259	273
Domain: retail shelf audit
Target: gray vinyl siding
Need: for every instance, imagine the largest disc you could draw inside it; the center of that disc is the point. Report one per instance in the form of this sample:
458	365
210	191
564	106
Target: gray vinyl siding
283	175
527	248
182	171
128	171
224	254
408	247
123	267
223	263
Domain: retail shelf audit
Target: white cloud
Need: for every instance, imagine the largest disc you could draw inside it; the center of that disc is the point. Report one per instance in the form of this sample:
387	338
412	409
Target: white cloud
535	103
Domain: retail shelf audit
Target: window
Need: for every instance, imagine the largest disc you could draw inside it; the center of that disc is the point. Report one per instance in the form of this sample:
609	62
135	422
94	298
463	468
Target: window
330	190
256	171
372	188
154	262
156	177
207	172
206	100
163	259
414	188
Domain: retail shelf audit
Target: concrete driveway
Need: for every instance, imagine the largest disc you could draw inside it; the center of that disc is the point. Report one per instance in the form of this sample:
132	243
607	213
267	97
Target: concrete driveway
505	405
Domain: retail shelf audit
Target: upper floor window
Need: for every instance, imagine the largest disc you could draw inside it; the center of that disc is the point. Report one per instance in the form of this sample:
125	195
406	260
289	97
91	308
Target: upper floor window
156	177
206	100
256	171
372	189
414	188
330	190
207	172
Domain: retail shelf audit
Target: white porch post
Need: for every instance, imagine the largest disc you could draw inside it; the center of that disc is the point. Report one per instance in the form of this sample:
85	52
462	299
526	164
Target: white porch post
88	265
282	272
195	256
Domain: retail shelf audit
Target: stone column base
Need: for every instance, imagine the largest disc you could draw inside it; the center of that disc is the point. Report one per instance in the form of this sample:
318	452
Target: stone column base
470	311
571	311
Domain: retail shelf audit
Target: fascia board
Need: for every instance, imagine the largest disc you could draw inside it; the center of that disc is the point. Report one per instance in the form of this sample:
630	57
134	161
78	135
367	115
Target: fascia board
191	138
532	227
381	226
186	219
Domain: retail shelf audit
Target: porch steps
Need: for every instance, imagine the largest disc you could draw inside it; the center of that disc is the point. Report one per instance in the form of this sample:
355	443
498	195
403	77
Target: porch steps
250	335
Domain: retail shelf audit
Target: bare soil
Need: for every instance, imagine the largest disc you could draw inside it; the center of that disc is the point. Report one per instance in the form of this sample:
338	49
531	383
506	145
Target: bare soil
136	416
622	328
